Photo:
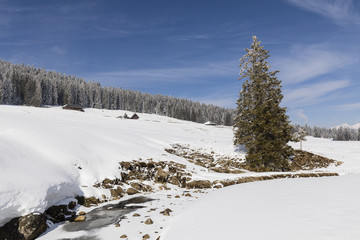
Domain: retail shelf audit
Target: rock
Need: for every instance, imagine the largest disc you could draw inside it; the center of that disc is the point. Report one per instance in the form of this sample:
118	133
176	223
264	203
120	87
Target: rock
174	180
146	236
58	213
82	213
87	202
80	200
131	191
140	186
107	183
72	205
161	175
118	192
10	230
136	215
177	196
125	165
117	225
188	195
27	227
166	212
158	238
80	218
149	221
123	236
199	184
32	225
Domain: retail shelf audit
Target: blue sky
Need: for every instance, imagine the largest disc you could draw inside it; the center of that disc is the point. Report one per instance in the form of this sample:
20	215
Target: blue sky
191	49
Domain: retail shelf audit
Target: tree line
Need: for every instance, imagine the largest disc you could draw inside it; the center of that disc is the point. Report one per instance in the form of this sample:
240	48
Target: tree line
337	134
26	85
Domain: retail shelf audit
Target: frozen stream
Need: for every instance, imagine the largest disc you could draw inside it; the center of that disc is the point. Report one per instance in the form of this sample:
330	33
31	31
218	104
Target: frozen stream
102	217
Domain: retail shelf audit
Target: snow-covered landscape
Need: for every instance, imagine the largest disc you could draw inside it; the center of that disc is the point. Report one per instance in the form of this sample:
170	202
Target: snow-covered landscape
179	120
50	155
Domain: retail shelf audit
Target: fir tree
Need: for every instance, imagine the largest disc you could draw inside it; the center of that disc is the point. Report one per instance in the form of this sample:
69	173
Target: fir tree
261	125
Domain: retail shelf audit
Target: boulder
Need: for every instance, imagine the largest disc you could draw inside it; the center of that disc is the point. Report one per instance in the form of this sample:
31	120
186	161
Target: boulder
80	218
72	205
118	192
10	230
166	212
174	180
199	184
32	225
161	175
59	213
131	191
136	186
149	221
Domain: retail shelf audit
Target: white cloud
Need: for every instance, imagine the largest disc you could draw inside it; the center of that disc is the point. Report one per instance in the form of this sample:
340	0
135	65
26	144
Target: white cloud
307	62
301	114
58	50
340	11
313	93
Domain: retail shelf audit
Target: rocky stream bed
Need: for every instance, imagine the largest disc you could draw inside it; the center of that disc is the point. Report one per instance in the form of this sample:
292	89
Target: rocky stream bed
147	176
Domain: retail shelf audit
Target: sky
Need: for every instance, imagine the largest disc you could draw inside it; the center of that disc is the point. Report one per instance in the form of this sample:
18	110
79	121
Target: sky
191	49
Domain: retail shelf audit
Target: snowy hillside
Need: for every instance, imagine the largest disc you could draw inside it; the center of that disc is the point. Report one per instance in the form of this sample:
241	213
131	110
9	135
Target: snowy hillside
43	149
49	155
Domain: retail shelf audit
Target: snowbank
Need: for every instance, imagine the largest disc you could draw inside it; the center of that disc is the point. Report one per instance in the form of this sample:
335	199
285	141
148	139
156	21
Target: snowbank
313	208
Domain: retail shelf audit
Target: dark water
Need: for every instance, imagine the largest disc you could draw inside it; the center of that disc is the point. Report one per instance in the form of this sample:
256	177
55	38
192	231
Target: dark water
103	216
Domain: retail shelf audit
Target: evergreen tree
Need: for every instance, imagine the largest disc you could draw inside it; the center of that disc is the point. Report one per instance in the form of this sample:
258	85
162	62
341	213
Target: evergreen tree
261	125
299	136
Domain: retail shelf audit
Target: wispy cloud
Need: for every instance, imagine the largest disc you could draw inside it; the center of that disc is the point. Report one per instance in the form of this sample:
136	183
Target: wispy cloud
223	96
300	113
217	100
340	11
348	107
189	37
307	62
313	93
59	50
195	74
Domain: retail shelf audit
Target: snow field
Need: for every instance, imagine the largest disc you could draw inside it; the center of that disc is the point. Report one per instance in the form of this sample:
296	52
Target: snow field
50	154
312	208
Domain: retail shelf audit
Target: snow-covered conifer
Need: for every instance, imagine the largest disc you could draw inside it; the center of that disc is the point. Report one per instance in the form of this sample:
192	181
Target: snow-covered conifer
261	125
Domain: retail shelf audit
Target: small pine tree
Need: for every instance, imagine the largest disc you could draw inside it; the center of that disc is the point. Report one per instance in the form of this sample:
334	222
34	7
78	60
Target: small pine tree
261	125
299	137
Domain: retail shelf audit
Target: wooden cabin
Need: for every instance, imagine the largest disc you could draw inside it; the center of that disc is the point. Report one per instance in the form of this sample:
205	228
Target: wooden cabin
135	116
75	107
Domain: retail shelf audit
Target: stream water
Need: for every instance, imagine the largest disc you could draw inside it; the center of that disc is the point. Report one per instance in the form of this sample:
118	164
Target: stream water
104	216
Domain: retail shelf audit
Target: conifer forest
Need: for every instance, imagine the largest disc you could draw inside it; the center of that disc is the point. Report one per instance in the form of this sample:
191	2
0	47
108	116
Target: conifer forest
27	85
